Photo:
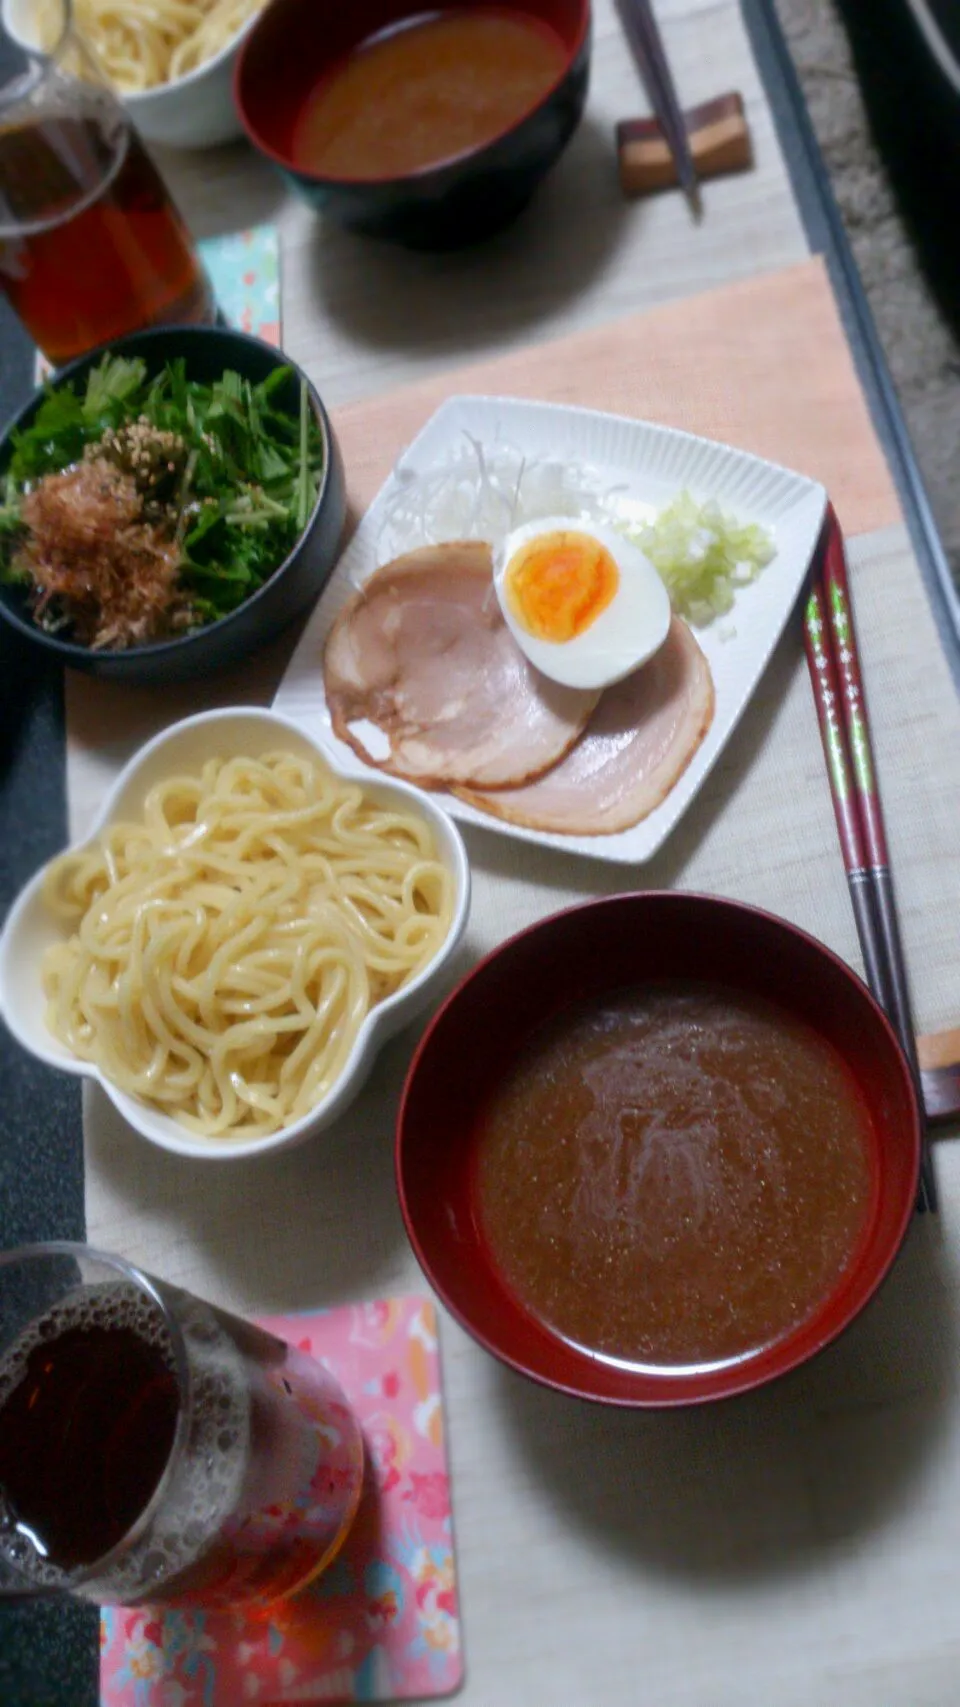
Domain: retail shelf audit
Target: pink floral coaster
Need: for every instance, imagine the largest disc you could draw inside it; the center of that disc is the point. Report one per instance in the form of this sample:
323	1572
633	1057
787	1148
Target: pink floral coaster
244	270
382	1623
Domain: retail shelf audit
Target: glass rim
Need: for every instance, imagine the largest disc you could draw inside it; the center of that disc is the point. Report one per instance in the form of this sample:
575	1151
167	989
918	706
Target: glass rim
42	62
52	53
45	55
153	1289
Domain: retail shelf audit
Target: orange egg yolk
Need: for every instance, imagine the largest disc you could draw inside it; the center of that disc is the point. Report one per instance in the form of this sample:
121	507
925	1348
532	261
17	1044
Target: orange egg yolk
558	583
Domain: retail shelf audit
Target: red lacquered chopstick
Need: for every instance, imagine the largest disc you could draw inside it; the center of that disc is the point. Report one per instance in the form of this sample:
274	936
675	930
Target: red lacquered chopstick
833	659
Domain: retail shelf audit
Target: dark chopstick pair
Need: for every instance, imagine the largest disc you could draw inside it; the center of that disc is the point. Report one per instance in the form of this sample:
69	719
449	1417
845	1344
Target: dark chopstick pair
646	44
834	664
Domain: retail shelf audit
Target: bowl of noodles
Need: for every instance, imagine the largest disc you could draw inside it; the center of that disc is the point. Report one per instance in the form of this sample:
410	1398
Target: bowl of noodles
171	63
242	929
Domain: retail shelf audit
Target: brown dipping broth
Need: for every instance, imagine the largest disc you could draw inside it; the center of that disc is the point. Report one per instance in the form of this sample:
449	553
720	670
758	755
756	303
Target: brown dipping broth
675	1175
423	92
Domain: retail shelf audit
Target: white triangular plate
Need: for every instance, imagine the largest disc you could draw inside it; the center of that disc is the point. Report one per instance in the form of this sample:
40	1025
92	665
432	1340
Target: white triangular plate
648	465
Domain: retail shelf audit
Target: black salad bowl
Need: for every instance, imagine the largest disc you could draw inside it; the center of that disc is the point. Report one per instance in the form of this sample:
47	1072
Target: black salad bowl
459	201
207	351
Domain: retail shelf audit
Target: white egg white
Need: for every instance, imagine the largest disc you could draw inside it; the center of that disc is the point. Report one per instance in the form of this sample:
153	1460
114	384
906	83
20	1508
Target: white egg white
630	630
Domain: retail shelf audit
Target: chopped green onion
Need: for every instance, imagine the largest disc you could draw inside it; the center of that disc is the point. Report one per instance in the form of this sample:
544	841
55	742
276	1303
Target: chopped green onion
703	554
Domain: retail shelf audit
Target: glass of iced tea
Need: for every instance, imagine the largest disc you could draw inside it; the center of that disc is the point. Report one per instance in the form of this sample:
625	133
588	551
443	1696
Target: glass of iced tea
156	1450
91	246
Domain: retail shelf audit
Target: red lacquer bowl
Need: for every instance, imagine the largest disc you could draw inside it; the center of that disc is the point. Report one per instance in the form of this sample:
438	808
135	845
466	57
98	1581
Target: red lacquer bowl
590	950
295	44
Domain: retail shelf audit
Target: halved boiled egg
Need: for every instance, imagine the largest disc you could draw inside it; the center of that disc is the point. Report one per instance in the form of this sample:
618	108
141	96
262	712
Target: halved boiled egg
585	605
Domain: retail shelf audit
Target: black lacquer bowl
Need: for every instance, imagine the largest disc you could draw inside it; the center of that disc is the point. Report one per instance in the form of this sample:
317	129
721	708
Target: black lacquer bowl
296	582
456	202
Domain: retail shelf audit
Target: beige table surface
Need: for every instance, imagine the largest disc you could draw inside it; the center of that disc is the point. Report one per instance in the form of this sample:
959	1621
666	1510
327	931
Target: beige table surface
797	1548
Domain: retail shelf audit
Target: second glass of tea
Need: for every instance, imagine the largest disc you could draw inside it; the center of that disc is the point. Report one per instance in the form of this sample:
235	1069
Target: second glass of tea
156	1450
91	245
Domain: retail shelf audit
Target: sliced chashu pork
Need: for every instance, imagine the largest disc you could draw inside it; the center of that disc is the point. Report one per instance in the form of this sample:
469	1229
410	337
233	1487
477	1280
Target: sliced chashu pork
638	742
423	653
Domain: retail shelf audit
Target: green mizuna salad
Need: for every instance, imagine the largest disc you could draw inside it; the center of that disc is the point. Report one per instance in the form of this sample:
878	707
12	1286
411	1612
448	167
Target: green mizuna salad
136	509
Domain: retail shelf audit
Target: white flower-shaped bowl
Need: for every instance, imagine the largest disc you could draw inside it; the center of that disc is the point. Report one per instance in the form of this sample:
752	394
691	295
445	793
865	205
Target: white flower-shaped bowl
30	927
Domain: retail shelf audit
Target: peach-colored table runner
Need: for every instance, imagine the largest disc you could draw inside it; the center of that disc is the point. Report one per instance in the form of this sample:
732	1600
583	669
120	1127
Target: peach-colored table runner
764	365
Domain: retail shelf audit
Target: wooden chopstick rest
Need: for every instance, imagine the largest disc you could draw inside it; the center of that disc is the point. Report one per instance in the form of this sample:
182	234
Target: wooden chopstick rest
719	143
939	1049
939	1056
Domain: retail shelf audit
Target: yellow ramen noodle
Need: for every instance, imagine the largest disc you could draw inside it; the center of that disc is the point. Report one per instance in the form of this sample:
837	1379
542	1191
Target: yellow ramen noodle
143	43
228	948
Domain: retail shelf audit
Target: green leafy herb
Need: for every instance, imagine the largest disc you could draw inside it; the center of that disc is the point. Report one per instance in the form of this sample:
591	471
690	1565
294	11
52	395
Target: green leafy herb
115	381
